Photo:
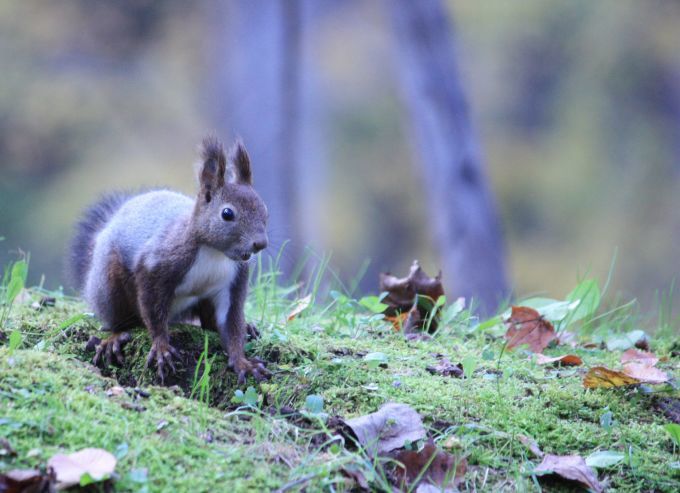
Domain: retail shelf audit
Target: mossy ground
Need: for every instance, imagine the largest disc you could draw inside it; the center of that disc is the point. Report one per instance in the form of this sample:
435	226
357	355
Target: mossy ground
52	400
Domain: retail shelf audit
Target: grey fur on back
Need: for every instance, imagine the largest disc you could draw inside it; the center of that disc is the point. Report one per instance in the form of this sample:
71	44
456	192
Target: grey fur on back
139	222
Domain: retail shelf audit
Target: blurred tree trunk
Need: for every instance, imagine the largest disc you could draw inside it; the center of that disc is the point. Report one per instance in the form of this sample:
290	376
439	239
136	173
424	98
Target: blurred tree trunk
461	207
257	90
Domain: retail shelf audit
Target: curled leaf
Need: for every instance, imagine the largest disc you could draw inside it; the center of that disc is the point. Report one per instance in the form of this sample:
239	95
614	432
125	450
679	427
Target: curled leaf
416	294
571	467
564	360
300	306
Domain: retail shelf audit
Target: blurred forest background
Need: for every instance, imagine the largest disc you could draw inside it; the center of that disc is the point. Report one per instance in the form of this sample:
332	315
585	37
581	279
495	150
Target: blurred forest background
575	105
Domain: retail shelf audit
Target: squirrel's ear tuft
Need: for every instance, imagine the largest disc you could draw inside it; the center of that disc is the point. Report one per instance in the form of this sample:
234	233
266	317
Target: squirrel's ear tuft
239	161
213	166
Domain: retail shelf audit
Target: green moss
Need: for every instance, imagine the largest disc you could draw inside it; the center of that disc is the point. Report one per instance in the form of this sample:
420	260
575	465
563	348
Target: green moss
53	400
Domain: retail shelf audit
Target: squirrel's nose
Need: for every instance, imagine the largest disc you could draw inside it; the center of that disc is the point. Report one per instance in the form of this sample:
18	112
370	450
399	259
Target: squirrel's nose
259	244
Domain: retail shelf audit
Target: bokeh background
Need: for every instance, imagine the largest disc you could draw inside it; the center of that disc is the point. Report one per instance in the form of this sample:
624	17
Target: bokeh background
575	104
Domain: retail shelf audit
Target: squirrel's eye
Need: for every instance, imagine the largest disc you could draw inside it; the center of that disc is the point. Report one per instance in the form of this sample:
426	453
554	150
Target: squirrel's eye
228	214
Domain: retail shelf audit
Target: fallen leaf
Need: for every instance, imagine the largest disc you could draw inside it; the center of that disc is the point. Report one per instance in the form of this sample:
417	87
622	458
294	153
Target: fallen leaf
669	407
639	356
564	360
115	391
415	294
446	369
645	373
429	466
300	306
24	481
601	377
69	469
387	429
571	467
527	326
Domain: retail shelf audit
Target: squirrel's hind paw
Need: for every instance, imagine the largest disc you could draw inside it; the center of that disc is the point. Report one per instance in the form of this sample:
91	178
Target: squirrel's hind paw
111	348
254	367
163	353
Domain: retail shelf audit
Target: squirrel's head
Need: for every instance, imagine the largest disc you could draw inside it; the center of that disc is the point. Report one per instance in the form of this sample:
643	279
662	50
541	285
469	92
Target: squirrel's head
229	216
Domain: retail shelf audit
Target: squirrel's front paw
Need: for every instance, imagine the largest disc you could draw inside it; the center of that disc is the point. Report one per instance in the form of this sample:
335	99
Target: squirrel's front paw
163	353
111	348
254	367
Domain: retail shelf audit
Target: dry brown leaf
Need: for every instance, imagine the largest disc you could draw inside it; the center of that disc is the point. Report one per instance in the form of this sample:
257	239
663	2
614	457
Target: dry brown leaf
387	429
300	306
645	373
24	481
639	357
601	377
445	368
572	467
68	469
564	360
402	297
115	391
428	466
527	326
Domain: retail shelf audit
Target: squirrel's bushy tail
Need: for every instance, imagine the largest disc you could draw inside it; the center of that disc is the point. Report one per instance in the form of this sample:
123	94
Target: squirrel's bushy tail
94	219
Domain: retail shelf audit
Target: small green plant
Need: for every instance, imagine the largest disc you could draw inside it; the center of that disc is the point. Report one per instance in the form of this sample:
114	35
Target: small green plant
469	365
673	430
607	420
314	404
14	280
201	385
14	341
374	360
248	398
374	303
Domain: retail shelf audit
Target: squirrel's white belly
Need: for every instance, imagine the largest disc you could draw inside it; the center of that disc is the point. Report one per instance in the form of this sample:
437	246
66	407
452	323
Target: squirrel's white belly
210	275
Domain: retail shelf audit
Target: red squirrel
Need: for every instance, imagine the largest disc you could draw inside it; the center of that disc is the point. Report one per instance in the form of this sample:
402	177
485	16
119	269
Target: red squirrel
158	256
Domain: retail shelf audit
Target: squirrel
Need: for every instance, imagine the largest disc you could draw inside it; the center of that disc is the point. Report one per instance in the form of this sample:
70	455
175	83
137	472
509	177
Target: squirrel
157	257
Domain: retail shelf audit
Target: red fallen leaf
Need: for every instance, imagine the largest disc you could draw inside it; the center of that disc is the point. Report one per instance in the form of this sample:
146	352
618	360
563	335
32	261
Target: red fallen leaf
572	467
564	360
639	357
414	294
645	373
527	326
429	465
601	377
